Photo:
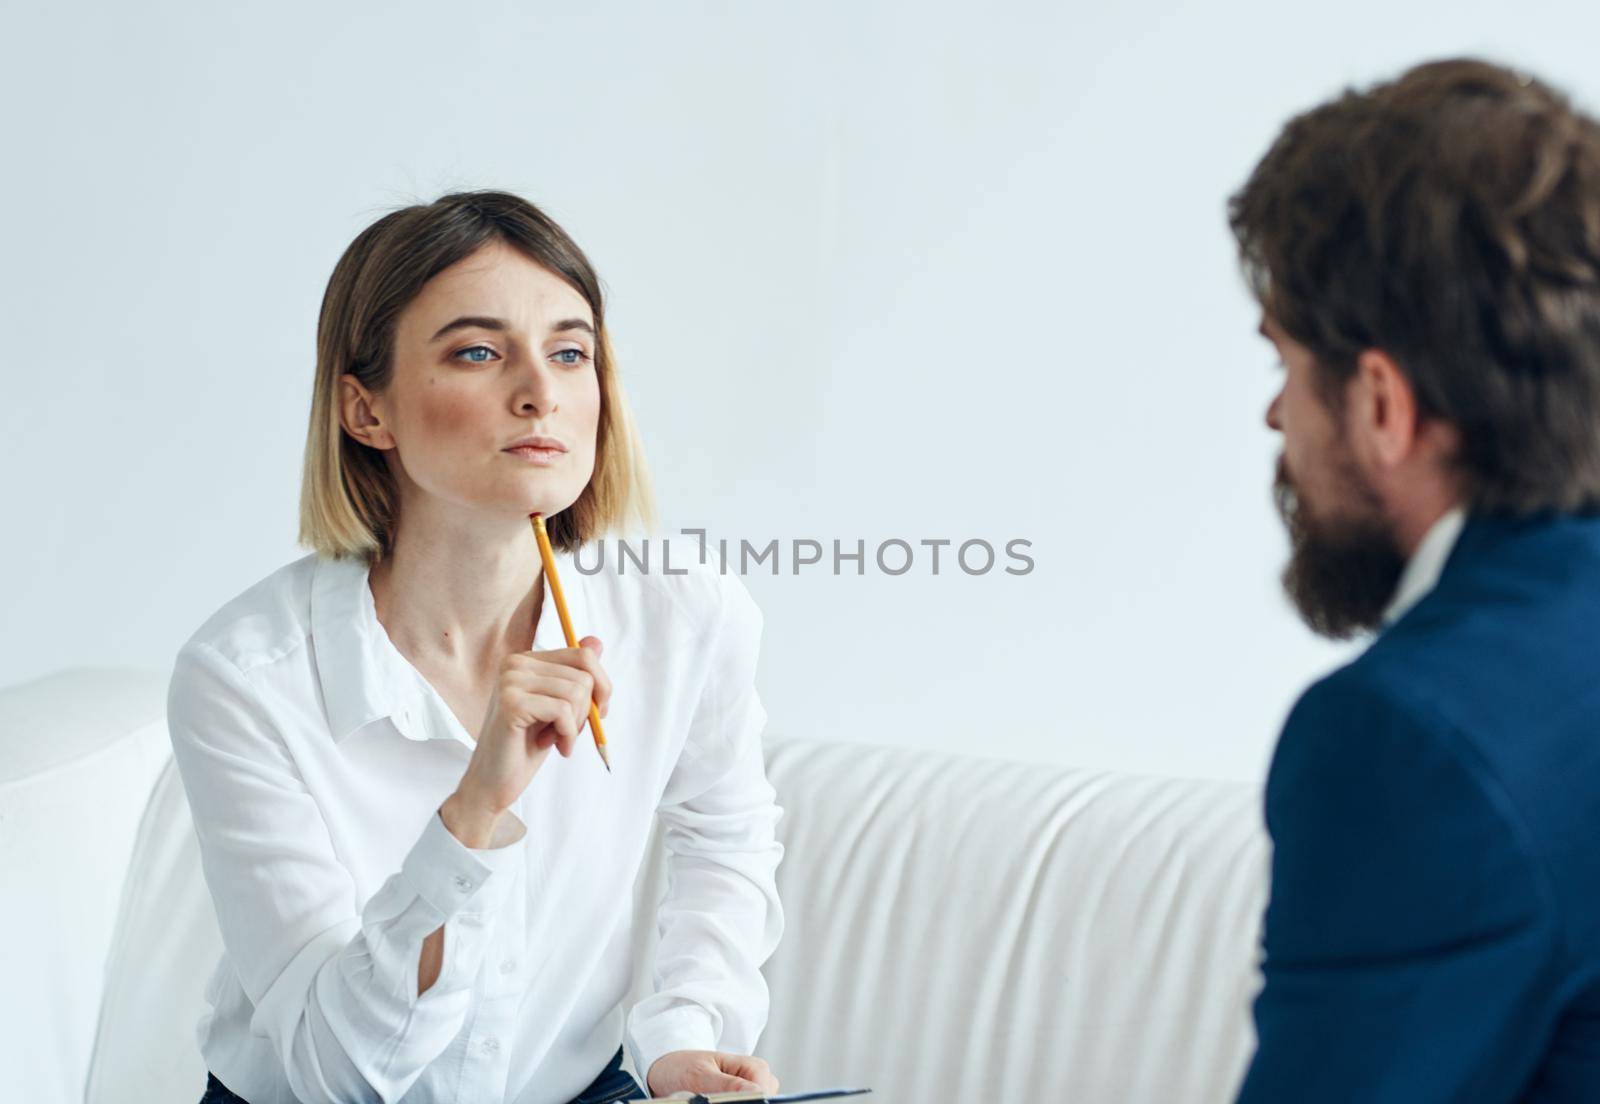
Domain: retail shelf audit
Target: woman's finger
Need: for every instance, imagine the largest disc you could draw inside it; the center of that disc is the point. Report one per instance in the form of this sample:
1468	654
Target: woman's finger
575	660
595	687
726	1082
602	681
541	710
749	1067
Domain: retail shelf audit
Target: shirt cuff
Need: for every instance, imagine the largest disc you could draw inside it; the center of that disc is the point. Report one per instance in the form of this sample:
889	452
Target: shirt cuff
686	1027
447	873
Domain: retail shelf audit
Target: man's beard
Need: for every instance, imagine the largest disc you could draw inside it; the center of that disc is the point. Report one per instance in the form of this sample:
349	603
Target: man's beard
1342	571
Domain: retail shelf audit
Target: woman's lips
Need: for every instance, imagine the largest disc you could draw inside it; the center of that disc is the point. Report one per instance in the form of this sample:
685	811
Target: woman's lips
537	455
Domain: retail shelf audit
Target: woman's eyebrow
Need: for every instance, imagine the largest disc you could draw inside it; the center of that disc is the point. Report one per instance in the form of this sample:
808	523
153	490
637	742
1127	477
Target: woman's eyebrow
467	322
483	322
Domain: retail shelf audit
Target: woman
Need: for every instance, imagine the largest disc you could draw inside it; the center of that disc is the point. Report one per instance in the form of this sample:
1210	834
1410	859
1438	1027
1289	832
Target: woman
414	900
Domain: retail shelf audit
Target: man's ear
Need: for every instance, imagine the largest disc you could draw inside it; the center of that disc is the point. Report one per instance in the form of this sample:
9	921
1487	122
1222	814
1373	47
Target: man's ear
1382	407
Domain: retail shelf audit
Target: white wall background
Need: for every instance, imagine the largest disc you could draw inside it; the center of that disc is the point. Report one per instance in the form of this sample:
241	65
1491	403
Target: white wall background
878	270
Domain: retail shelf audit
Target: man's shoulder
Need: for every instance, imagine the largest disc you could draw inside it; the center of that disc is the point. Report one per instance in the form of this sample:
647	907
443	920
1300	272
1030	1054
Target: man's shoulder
1387	741
1367	686
1364	731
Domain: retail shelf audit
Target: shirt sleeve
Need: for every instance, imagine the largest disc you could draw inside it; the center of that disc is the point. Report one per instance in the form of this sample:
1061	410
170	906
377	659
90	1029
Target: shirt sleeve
720	918
333	980
1412	951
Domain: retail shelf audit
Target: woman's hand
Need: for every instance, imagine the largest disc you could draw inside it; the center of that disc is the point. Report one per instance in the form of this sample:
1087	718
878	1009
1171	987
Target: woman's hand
708	1071
541	701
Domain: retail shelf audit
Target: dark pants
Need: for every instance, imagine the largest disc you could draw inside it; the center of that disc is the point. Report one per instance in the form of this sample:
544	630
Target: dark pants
614	1083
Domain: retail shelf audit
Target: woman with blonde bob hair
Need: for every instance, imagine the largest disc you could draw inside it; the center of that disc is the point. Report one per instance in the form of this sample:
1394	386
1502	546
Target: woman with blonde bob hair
414	904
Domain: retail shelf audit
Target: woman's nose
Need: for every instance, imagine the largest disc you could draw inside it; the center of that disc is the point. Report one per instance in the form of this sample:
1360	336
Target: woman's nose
1272	413
536	384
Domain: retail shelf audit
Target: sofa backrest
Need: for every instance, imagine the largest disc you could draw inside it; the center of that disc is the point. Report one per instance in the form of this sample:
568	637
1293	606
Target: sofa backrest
972	929
79	752
955	927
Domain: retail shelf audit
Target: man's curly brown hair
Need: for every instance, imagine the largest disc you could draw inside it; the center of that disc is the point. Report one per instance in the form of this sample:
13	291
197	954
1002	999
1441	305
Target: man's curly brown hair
1450	217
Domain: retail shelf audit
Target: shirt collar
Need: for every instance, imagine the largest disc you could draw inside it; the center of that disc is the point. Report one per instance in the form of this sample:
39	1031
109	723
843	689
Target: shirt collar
1423	569
365	677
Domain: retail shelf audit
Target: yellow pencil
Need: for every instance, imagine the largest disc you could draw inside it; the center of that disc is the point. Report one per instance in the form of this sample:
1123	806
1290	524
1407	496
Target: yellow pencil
554	582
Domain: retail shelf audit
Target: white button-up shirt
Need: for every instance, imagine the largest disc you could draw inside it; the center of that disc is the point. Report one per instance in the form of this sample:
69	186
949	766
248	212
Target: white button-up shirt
315	758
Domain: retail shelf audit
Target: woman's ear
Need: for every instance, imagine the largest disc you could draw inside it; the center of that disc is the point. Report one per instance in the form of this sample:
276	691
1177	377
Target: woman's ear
357	415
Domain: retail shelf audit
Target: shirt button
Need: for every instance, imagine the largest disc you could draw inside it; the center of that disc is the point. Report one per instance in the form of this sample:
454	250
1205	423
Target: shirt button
470	919
491	1044
508	966
463	883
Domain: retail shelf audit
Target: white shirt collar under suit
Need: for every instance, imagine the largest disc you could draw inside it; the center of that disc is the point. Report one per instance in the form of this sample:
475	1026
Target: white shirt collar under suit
1423	568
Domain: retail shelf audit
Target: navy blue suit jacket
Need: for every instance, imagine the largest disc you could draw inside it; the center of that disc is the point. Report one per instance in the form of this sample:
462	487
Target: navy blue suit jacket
1433	929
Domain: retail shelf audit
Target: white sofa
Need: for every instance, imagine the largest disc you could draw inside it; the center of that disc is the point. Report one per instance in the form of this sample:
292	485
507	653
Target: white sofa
958	928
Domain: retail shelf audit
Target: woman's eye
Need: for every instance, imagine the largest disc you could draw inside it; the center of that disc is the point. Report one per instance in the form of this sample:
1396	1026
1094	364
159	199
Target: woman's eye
475	349
578	355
